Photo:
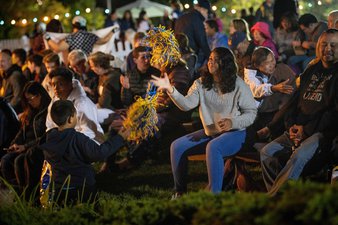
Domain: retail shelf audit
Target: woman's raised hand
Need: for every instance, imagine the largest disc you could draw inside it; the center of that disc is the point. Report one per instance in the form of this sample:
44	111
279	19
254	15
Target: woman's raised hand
162	83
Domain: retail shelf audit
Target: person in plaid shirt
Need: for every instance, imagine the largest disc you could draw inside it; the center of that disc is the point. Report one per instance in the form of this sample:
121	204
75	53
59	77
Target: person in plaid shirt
79	39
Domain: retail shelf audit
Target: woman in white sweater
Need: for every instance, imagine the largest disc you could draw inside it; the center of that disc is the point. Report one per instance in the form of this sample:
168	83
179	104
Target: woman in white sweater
226	108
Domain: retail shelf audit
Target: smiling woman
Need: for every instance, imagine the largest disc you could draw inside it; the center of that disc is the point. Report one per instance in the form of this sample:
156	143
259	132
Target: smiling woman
226	109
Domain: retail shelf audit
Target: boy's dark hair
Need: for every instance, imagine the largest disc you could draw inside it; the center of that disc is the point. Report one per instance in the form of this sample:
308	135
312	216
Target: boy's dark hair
36	59
7	52
61	111
52	58
307	19
62	72
54	25
212	24
21	54
139	49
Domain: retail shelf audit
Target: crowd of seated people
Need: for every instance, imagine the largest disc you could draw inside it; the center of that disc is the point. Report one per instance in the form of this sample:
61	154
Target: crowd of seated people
245	91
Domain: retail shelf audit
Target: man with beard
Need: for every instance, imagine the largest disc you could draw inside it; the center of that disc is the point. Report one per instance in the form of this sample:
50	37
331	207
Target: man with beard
310	118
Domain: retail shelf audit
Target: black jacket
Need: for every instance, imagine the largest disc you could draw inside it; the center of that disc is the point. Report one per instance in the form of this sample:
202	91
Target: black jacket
71	153
192	25
14	83
315	104
109	90
32	134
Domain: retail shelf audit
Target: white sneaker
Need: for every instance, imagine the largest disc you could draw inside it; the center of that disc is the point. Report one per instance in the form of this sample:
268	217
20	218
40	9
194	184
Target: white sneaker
176	195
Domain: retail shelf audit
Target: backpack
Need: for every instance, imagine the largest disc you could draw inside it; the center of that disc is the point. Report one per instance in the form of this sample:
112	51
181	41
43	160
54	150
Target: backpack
237	177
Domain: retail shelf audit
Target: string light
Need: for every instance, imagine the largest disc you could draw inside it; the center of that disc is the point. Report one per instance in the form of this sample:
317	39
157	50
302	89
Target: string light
187	6
310	5
88	10
319	2
24	21
301	7
106	11
67	15
77	12
13	22
2	22
214	8
45	18
233	11
224	9
35	20
56	17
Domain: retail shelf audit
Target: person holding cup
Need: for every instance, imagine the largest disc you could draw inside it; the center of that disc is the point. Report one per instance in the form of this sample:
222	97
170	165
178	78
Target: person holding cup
226	108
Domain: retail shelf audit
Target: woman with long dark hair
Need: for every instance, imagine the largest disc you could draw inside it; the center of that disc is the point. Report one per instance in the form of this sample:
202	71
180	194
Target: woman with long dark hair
35	101
127	22
226	108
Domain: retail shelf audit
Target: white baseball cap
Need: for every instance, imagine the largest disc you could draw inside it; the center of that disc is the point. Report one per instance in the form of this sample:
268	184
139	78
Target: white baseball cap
79	19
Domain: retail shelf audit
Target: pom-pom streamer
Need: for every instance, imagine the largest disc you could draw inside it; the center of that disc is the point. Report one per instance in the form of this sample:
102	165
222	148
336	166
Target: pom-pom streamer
142	117
165	49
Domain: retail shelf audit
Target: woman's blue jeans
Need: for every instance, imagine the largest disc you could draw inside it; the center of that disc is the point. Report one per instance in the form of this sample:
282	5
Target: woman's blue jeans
215	148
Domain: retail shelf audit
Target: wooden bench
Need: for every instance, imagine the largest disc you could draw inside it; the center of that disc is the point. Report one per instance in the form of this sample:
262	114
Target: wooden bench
248	157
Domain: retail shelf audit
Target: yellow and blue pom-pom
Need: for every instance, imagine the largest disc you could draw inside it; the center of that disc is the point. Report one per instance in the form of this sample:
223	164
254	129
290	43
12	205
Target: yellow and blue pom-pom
165	49
142	117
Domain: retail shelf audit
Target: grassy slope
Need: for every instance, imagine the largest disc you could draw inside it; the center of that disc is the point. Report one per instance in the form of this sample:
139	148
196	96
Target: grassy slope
152	179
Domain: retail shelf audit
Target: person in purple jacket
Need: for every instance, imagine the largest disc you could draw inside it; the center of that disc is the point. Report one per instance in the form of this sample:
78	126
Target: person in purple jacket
262	37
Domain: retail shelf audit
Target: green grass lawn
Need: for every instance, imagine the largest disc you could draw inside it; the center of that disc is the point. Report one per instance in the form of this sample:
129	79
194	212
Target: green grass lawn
152	179
142	196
